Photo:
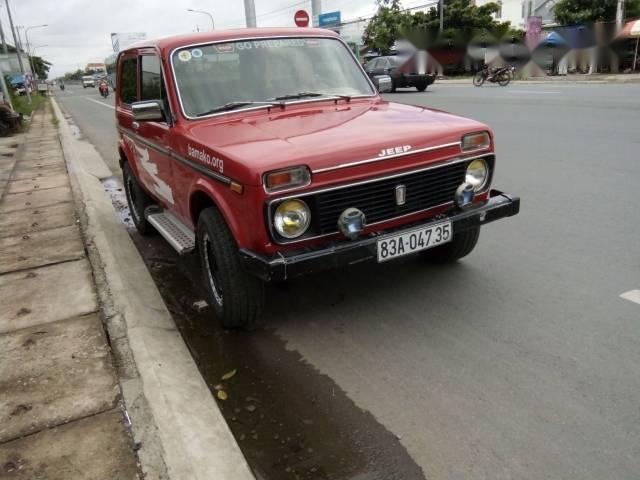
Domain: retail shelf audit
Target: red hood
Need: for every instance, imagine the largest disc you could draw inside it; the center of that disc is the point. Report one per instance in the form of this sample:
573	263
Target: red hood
322	135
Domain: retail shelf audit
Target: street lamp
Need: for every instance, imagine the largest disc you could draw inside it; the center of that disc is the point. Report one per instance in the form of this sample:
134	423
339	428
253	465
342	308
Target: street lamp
213	27
26	36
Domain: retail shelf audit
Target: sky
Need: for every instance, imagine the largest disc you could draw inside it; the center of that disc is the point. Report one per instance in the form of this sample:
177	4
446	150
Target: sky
78	31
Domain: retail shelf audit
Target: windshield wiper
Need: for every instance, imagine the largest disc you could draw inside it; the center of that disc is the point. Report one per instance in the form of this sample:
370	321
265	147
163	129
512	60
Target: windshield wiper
292	96
233	105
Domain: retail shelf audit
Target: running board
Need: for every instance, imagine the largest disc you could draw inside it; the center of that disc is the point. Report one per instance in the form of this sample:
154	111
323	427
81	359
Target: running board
173	230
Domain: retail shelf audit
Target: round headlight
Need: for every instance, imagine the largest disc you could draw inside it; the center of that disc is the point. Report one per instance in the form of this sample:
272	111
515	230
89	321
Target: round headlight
477	174
292	218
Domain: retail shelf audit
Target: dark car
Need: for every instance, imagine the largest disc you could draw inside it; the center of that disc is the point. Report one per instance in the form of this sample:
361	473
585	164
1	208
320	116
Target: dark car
401	69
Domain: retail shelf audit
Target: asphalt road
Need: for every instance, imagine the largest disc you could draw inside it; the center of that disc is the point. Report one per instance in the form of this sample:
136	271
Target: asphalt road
519	362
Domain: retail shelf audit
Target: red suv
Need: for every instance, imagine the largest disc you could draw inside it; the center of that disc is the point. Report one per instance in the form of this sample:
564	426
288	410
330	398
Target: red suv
270	152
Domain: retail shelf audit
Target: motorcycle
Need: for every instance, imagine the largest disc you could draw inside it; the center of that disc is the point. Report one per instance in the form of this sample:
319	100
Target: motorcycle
104	90
62	86
500	75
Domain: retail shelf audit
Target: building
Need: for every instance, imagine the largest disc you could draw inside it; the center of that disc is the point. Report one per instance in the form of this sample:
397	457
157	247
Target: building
9	63
517	11
96	67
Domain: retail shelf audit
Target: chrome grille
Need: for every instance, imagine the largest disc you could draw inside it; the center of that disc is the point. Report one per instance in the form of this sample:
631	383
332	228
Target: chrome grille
377	200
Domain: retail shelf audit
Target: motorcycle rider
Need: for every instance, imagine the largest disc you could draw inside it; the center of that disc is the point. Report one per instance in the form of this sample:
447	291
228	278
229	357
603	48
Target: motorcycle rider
104	88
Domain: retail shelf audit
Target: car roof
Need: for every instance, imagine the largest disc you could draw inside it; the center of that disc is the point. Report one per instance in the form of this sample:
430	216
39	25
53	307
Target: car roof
167	44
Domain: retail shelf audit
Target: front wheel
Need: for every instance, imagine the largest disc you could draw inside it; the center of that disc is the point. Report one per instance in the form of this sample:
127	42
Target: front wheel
478	79
138	201
462	245
421	87
237	297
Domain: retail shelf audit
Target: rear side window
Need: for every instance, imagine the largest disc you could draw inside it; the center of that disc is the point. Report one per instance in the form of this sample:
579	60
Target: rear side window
129	80
151	78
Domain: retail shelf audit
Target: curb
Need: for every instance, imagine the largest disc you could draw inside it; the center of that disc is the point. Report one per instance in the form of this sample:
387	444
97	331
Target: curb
174	416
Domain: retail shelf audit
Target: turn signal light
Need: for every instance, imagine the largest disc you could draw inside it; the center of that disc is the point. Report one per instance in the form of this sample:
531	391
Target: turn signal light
289	178
475	141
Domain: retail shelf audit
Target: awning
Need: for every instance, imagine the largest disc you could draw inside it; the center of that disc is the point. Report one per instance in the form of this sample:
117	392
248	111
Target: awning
630	30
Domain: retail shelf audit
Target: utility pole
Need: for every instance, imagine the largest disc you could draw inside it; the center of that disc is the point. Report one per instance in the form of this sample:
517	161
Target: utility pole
619	15
441	15
15	40
316	10
250	13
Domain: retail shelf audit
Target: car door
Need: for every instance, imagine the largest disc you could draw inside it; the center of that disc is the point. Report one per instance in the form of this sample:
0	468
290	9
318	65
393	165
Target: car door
151	138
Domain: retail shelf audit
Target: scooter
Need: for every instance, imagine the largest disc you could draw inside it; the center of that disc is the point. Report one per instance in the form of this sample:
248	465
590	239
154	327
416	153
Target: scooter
104	90
501	75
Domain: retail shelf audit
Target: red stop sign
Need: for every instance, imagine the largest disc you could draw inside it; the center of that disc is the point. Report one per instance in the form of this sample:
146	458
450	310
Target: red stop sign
301	18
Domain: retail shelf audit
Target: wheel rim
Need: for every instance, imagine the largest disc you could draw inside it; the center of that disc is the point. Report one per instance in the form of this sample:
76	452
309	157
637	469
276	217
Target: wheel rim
212	269
132	199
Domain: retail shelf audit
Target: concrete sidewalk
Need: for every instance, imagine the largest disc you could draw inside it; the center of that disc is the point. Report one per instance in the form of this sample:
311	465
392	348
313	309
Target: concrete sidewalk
61	413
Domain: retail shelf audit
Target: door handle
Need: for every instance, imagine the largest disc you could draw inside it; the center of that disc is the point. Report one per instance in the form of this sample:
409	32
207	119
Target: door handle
135	125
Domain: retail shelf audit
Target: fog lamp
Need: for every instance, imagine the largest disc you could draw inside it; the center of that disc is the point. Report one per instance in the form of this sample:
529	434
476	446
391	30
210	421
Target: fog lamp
351	223
464	195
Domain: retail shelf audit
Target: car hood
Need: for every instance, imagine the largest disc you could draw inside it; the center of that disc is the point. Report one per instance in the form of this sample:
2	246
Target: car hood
323	135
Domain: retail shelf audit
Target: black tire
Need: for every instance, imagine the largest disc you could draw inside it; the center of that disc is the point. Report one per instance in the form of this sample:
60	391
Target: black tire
421	87
393	86
138	201
236	296
504	79
462	245
478	79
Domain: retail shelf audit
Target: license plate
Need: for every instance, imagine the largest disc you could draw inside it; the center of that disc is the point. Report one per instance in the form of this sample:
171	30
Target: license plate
394	246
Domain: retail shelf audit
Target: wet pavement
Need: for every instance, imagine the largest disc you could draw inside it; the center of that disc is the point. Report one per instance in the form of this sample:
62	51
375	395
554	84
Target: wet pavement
289	420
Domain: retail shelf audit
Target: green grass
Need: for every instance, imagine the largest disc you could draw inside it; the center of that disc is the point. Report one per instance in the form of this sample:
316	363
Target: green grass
21	103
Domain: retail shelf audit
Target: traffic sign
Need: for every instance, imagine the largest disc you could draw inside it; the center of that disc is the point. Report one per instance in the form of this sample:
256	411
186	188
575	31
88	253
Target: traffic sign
329	19
301	18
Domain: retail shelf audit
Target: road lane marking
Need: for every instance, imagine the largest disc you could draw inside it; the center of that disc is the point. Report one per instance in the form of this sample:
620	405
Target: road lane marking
100	103
535	92
632	296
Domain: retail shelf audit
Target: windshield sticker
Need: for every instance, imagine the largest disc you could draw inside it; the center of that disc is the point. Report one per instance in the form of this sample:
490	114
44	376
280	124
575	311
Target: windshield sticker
184	55
206	159
312	42
225	48
196	53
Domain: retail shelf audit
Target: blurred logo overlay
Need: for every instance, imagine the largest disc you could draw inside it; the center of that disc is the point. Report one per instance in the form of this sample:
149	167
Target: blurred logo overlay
516	49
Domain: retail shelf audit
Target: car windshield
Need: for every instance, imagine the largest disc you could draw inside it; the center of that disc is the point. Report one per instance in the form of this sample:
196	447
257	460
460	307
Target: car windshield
212	76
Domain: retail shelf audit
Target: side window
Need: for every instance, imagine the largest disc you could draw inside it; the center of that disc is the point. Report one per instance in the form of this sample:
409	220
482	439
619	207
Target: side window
129	80
372	64
151	79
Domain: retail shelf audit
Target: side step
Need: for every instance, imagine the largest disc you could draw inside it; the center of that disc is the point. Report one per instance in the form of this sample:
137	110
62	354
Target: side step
173	230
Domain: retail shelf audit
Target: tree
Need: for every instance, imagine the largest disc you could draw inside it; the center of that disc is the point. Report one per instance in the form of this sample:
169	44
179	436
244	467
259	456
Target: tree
77	75
461	20
384	27
41	67
573	12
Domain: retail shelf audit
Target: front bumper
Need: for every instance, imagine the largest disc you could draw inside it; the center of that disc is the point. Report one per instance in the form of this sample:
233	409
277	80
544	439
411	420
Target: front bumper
301	262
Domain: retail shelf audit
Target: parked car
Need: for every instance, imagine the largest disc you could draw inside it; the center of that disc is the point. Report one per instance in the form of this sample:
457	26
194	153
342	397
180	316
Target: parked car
88	81
402	71
270	154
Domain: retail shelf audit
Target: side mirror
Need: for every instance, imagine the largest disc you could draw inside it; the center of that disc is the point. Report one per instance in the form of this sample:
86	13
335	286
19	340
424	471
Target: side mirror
148	111
383	83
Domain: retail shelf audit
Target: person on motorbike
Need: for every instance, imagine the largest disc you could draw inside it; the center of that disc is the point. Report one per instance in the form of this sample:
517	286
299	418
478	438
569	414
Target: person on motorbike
103	87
